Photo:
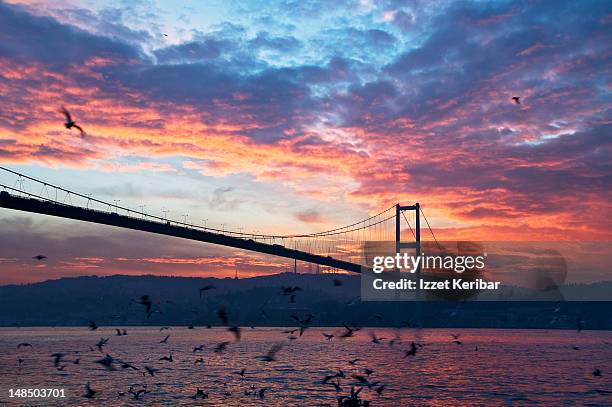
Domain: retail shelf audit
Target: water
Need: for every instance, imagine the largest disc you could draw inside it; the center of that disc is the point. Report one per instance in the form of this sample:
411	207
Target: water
509	367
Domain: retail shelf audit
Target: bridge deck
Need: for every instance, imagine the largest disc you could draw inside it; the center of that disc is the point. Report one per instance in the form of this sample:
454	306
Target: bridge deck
33	205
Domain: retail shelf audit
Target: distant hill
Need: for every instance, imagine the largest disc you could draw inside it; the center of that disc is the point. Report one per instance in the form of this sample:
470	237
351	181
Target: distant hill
113	301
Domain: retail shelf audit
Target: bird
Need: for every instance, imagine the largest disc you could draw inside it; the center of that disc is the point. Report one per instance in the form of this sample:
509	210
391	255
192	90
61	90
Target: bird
375	339
165	340
145	301
220	348
236	331
597	373
262	392
89	392
364	381
57	359
327	378
23	345
270	356
380	389
396	339
206	288
71	123
412	351
348	333
353	362
368	371
579	324
517	99
328	337
107	361
241	372
125	365
136	394
92	325
198	360
199	394
222	314
199	348
39	257
167	358
150	370
336	385
101	343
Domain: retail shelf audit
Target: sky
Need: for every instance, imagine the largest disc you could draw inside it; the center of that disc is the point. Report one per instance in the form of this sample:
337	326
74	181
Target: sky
301	116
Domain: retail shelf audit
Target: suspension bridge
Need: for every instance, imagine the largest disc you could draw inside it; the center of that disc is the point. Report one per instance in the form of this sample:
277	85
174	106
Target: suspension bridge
339	248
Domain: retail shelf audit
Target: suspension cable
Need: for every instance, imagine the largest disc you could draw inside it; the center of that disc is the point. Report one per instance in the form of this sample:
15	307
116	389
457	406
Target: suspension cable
406	219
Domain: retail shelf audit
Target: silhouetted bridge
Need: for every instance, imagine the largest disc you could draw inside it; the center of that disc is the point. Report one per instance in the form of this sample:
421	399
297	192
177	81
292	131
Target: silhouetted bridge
322	248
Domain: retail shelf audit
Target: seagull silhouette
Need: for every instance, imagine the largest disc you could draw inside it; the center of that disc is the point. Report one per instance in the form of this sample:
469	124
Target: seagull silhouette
199	394
270	356
89	392
39	257
206	288
150	370
167	358
57	359
107	361
71	123
222	314
412	351
165	340
220	348
145	301
236	331
101	343
517	99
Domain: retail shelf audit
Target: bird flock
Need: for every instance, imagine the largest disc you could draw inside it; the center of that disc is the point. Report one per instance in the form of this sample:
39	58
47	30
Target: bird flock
350	384
362	380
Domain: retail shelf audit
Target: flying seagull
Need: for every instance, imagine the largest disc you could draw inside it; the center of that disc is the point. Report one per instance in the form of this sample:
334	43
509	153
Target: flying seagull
517	99
89	392
39	257
206	288
71	123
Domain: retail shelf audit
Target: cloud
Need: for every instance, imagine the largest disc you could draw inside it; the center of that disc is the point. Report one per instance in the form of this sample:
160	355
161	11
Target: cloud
415	106
310	216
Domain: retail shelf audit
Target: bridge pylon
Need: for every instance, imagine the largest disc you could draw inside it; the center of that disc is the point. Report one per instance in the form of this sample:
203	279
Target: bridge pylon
416	244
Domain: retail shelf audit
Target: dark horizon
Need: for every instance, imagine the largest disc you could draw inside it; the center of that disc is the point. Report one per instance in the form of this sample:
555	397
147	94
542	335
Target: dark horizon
258	301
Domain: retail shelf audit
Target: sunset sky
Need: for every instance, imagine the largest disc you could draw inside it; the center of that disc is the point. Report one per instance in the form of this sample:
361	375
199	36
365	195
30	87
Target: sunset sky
301	116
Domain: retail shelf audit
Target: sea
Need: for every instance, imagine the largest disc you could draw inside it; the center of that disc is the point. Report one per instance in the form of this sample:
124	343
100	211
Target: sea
276	367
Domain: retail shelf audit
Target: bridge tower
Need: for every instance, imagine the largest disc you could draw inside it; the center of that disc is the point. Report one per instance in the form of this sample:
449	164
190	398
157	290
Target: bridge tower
399	209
